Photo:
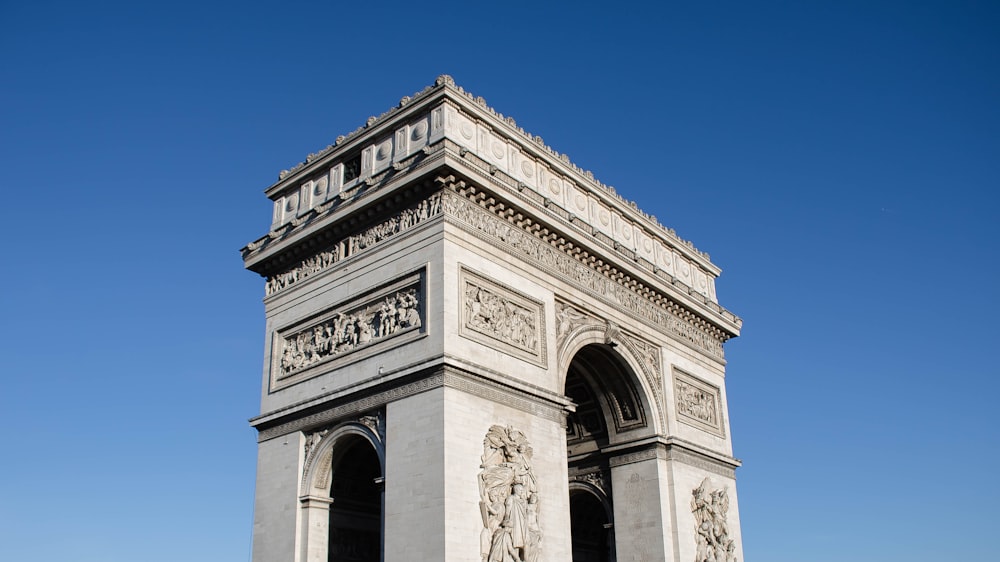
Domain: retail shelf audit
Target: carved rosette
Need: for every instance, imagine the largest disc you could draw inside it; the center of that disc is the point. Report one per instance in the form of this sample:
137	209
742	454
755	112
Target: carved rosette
503	318
508	498
697	403
710	508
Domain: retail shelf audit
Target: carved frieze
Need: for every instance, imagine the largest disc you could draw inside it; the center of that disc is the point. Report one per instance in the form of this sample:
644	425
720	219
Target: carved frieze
501	317
353	245
711	508
725	469
697	403
671	318
508	495
393	311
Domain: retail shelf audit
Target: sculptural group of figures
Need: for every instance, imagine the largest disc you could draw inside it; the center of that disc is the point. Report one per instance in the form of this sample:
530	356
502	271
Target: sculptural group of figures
313	264
346	331
696	402
492	314
509	499
712	533
346	248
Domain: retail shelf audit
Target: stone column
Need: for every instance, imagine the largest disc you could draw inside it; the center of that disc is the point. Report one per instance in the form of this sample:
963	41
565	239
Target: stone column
414	482
641	505
316	526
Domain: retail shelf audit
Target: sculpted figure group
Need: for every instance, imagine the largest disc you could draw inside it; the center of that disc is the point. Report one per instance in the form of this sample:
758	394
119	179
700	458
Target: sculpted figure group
696	403
405	219
495	316
509	498
711	531
347	331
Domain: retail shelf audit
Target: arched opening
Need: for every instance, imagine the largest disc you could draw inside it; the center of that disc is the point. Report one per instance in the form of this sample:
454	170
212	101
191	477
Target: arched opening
610	410
591	528
355	530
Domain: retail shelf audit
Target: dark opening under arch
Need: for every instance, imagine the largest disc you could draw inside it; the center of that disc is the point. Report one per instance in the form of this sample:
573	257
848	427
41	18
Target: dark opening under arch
356	511
591	528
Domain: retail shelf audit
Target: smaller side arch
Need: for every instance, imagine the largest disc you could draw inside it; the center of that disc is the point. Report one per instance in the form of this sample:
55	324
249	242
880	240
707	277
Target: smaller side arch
322	457
584	487
325	450
591	522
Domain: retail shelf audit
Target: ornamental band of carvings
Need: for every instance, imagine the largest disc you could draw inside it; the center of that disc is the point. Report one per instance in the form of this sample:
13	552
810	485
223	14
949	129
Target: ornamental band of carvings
450	378
349	329
496	315
529	247
697	403
699	461
710	508
508	498
350	246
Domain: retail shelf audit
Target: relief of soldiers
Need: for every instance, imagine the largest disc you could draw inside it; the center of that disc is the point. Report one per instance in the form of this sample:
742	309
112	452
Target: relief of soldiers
344	332
710	508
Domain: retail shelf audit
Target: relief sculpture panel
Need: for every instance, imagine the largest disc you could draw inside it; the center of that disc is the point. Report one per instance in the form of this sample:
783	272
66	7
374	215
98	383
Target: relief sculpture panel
508	498
527	246
710	509
402	221
502	318
350	327
697	403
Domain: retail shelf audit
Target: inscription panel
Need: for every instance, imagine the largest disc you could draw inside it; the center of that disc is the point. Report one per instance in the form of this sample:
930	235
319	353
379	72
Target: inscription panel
502	318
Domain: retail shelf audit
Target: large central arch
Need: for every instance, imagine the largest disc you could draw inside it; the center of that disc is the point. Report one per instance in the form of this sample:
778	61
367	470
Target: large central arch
612	409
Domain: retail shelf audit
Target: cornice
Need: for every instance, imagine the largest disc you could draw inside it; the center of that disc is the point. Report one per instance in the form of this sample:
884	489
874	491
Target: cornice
476	109
323	224
591	271
672	449
345	143
347	402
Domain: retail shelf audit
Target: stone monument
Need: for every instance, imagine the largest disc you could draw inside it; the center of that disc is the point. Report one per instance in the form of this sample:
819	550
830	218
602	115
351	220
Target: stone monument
477	352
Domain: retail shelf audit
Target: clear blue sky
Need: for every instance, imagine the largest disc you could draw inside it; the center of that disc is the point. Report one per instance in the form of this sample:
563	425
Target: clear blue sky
839	160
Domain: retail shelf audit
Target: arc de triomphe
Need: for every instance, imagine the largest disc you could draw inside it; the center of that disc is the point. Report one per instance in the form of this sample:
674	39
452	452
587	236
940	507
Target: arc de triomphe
475	351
